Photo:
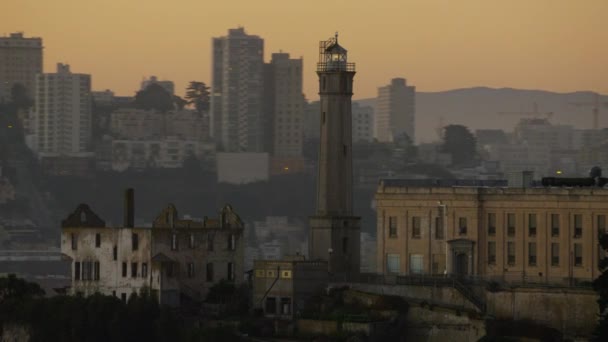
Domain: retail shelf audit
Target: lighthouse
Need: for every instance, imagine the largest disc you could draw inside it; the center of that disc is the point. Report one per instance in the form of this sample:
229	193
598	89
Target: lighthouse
334	230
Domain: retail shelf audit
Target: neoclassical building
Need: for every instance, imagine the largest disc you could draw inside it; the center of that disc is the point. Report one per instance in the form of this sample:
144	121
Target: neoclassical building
542	234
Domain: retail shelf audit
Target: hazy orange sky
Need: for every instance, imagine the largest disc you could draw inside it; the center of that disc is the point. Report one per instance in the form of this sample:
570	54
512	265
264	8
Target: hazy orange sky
558	45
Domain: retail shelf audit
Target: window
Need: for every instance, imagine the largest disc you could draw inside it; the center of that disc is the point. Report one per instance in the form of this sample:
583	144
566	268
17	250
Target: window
134	241
555	254
191	241
97	240
578	225
174	245
511	253
531	225
286	274
231	242
532	254
416	263
462	226
601	224
511	224
392	263
96	270
144	270
285	306
77	270
74	238
392	226
210	242
344	245
230	271
190	266
124	269
439	228
271	305
555	226
133	270
416	227
491	224
115	252
578	254
492	253
210	271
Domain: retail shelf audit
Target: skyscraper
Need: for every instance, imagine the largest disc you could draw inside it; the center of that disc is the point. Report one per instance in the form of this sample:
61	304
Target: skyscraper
334	231
395	111
20	61
237	120
284	105
62	113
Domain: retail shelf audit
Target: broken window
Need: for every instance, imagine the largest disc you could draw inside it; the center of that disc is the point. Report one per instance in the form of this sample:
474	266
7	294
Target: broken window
210	271
230	271
231	242
96	271
74	238
144	270
124	269
285	306
133	270
134	241
77	270
97	240
174	245
115	252
271	305
190	270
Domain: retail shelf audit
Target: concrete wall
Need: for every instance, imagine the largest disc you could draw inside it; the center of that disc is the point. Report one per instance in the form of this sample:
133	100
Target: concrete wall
574	313
442	325
317	327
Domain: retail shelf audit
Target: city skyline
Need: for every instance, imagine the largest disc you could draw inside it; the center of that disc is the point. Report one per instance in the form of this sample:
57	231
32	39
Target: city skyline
551	45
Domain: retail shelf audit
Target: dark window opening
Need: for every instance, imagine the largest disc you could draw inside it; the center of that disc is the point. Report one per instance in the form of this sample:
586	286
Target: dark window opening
462	226
491	224
532	254
578	226
511	224
133	270
134	241
345	245
230	271
210	271
97	240
77	270
115	252
190	270
416	227
124	269
271	305
144	270
392	226
554	225
532	225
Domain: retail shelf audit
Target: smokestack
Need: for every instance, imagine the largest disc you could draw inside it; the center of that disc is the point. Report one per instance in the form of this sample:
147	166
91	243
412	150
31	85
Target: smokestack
129	208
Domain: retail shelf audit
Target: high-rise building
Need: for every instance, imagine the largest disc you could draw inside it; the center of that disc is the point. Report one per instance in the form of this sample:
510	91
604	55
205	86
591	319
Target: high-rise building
237	119
334	231
284	105
169	86
62	113
395	111
363	123
20	61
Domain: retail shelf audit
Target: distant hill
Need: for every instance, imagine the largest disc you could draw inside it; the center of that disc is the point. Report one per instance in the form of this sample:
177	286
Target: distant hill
478	108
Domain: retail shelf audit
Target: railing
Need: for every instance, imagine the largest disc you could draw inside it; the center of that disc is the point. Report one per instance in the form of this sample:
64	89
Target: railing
335	66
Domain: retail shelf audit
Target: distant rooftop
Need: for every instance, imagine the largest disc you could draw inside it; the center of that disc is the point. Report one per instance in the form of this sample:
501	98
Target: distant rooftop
444	183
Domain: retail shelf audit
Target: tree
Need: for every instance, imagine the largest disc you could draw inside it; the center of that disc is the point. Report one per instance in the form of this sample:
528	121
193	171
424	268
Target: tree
197	94
600	285
460	143
19	97
154	97
179	102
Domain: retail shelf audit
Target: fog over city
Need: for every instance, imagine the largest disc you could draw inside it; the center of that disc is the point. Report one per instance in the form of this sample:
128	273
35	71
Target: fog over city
312	171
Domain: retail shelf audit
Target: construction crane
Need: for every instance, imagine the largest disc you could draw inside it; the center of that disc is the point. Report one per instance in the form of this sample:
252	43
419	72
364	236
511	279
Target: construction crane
595	108
534	112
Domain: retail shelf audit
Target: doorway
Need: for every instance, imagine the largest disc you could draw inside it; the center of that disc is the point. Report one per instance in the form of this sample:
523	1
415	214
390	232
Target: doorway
462	264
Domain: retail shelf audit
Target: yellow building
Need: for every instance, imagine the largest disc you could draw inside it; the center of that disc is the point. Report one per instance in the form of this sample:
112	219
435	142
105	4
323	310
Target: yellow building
542	235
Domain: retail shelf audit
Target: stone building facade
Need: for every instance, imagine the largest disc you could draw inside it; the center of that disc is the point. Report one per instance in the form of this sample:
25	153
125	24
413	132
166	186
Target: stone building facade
535	235
175	258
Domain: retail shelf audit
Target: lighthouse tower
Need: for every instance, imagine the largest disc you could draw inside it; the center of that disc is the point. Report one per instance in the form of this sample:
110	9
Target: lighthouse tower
334	231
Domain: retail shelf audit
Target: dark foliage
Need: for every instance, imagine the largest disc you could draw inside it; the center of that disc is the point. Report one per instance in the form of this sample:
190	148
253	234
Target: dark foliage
154	97
600	284
460	143
94	318
197	94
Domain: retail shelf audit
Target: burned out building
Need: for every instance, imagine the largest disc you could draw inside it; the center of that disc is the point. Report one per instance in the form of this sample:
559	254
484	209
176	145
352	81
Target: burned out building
176	259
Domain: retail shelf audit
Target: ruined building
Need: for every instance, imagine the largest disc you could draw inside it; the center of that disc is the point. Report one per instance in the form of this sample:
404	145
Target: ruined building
176	258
